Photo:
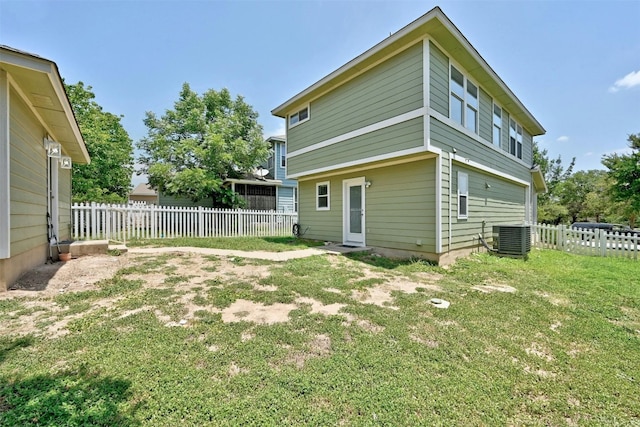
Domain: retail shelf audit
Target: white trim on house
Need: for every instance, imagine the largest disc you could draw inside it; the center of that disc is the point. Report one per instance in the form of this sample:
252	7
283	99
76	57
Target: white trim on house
439	204
426	90
368	166
299	122
359	132
346	184
489	170
358	162
450	204
455	125
5	174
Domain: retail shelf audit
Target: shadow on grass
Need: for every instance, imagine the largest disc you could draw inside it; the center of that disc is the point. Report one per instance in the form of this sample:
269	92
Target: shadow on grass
384	262
293	241
65	399
8	344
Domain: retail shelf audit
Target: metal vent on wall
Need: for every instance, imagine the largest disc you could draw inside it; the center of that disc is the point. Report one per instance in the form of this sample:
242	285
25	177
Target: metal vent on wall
512	239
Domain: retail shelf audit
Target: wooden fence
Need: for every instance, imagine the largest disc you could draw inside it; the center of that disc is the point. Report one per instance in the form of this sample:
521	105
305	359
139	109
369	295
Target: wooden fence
585	242
138	221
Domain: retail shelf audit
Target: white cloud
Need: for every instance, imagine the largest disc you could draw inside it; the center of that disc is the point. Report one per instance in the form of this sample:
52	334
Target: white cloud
627	82
588	153
563	138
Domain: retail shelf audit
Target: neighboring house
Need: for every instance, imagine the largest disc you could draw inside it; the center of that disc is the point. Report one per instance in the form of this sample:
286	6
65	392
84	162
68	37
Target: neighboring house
287	191
265	189
416	146
143	194
39	139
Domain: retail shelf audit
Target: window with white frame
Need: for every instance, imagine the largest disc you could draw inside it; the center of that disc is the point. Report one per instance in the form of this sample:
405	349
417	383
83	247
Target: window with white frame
283	156
463	195
299	117
515	138
464	100
497	125
322	196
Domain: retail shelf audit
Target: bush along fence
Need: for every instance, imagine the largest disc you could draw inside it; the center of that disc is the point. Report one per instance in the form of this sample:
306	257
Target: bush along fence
125	222
586	242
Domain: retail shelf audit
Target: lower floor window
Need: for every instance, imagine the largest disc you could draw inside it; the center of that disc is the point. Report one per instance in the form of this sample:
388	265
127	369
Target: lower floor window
322	196
463	195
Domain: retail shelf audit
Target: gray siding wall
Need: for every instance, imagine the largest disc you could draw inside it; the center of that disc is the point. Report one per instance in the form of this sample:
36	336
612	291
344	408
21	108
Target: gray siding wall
389	89
502	203
400	207
398	137
439	80
486	116
28	180
448	138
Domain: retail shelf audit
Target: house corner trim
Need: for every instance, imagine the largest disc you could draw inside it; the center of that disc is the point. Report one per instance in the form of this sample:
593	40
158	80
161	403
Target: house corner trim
5	162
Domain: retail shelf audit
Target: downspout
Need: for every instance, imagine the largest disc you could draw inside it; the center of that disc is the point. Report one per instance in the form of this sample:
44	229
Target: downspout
450	195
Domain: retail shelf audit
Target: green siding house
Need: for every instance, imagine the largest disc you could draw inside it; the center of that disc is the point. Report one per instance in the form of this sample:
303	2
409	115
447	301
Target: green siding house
39	139
414	147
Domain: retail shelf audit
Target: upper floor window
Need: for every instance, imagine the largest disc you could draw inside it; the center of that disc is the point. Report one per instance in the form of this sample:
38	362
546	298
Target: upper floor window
515	139
299	117
464	100
322	196
497	125
283	156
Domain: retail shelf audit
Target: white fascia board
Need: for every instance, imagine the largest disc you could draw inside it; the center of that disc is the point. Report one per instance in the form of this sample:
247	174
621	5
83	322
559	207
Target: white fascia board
359	132
269	183
5	163
24	60
479	166
381	157
457	126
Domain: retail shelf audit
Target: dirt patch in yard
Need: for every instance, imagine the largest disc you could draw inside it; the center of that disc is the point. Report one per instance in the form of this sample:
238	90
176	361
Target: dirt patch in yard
192	277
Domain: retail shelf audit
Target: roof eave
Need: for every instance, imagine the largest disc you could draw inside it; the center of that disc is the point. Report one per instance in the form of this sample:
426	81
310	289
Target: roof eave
416	29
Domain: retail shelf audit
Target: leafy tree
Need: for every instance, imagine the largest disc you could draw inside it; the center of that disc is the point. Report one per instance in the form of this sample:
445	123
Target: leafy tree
205	139
584	194
550	208
624	171
108	177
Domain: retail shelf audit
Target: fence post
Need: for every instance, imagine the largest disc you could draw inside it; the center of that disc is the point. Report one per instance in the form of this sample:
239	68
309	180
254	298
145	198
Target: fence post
200	222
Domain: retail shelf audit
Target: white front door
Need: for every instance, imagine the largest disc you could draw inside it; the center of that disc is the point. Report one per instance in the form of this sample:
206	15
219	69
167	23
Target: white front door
354	212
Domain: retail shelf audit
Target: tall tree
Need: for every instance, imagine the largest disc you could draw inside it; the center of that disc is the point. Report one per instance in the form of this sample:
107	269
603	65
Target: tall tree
191	150
624	170
582	192
108	177
550	208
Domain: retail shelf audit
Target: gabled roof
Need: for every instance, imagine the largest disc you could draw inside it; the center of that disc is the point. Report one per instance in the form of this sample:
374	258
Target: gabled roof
436	25
38	82
278	138
143	189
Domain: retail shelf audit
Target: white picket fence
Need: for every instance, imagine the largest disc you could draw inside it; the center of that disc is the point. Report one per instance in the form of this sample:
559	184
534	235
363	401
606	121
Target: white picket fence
125	222
585	242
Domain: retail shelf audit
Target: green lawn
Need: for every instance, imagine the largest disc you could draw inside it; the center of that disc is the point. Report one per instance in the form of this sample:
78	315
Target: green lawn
562	348
274	244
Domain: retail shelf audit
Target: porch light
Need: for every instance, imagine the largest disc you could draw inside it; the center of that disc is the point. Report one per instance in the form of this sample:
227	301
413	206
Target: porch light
65	162
54	149
367	184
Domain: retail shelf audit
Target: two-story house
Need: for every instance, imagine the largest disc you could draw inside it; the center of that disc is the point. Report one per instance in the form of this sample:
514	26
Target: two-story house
416	146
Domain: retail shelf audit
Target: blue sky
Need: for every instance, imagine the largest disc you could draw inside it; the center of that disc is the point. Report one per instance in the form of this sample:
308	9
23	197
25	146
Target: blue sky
574	64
